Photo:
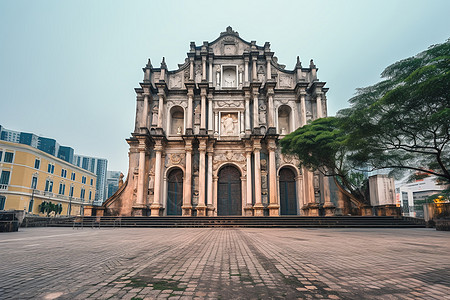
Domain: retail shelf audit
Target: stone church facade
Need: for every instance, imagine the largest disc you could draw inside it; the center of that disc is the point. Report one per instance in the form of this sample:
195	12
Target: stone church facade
206	136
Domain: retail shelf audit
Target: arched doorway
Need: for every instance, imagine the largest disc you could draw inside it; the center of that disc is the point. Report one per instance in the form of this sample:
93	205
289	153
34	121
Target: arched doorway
229	202
288	198
175	192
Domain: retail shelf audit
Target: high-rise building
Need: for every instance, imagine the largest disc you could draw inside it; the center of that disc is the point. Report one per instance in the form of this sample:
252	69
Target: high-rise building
66	153
48	145
112	182
97	166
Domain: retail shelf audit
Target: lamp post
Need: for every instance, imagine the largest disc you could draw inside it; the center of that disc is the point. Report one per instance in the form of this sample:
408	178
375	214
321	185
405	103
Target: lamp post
70	206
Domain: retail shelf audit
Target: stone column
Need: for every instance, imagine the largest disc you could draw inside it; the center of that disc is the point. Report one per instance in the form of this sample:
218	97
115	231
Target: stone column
156	205
248	129
258	207
241	123
319	105
140	201
189	109
246	61
191	68
187	207
303	109
203	68
273	193
248	207
145	112
210	77
270	109
160	109
201	207
328	206
215	178
269	70
311	208
210	114
209	186
254	71
300	200
216	128
255	109
203	109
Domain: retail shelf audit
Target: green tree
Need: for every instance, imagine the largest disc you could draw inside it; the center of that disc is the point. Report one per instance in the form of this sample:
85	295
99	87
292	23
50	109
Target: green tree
324	146
403	121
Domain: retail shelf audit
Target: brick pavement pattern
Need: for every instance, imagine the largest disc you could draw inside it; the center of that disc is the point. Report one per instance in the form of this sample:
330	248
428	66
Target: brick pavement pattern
223	263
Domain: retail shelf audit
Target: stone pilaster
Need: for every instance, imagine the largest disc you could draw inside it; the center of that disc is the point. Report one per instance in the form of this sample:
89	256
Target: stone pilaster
273	193
258	207
190	107
156	206
248	208
248	129
209	183
201	207
187	206
140	205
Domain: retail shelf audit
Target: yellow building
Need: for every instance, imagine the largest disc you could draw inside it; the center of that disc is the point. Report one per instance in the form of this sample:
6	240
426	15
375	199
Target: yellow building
29	176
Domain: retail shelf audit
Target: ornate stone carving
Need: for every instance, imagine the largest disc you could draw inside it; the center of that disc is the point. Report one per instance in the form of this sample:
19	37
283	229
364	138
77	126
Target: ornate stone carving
228	103
229	156
175	81
286	81
176	103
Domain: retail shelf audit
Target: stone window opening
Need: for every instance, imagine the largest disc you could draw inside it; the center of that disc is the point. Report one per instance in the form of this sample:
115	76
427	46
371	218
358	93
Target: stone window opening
229	76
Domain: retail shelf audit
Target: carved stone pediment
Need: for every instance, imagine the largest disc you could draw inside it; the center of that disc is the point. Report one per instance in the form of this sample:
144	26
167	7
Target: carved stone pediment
228	104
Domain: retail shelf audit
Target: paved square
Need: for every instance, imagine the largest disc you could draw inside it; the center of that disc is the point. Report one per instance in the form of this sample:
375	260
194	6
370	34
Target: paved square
211	263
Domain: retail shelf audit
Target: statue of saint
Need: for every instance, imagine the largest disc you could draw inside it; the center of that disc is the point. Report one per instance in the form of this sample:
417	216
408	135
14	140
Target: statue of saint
228	125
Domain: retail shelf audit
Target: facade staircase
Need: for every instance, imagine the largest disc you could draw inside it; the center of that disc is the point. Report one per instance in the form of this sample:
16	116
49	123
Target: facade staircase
238	221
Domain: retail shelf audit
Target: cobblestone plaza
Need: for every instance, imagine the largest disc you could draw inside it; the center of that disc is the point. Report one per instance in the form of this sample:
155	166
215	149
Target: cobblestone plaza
211	263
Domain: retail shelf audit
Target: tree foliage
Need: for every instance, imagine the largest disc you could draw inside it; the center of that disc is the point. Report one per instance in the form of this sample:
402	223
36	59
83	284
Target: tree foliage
324	146
47	207
400	123
403	121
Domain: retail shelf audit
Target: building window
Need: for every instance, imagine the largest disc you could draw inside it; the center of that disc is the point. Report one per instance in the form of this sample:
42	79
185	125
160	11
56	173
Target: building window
51	168
30	206
37	163
83	179
9	156
92	182
34	182
71	191
63	173
82	193
1	155
4	178
2	202
62	188
90	195
48	186
72	177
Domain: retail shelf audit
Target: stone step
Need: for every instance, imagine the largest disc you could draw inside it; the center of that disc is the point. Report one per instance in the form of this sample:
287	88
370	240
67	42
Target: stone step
344	221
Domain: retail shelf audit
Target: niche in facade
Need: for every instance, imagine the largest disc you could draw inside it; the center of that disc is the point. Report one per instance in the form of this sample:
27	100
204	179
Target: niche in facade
284	119
229	77
177	120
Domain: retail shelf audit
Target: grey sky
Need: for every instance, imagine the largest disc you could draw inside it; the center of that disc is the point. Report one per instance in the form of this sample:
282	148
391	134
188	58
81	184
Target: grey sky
68	69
